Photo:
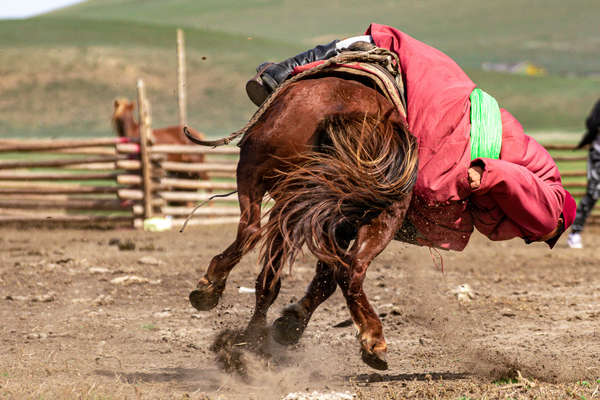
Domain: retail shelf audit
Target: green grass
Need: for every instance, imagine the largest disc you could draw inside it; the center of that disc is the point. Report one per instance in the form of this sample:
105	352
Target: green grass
505	381
78	32
547	103
149	327
563	34
61	71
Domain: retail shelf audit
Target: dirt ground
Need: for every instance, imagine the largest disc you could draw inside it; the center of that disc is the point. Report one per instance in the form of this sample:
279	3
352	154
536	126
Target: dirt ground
98	314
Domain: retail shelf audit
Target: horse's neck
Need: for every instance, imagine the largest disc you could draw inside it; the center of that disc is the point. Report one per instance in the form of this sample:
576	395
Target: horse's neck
127	127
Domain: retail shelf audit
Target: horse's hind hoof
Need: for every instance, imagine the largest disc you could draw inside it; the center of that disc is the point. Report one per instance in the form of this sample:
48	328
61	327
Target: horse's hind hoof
374	360
288	329
206	296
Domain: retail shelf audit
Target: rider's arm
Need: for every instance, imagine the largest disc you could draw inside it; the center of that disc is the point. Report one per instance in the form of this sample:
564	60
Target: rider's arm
524	184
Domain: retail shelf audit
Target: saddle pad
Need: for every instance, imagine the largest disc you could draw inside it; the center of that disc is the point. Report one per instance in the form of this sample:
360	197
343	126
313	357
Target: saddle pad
392	88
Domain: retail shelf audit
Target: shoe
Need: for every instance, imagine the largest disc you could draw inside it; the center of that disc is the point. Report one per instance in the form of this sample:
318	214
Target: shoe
574	240
257	88
270	75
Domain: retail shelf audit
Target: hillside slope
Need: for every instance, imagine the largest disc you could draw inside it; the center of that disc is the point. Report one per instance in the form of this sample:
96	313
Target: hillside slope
562	36
61	71
60	76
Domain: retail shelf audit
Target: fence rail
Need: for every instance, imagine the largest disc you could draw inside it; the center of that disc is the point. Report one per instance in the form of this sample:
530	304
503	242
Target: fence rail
128	180
64	181
572	165
102	181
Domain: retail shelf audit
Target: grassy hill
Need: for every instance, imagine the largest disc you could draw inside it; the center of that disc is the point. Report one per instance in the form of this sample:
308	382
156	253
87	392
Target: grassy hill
564	35
61	71
60	76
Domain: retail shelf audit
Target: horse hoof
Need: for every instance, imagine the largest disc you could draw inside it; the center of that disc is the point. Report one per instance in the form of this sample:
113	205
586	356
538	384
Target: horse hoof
288	328
203	301
374	360
206	296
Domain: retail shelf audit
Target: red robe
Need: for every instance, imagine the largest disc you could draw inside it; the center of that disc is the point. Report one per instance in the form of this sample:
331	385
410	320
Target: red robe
521	194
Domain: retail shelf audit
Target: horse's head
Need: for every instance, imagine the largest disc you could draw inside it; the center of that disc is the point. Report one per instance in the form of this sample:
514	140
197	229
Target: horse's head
123	119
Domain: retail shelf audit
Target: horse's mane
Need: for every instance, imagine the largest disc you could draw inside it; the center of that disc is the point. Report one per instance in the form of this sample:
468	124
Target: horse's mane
365	163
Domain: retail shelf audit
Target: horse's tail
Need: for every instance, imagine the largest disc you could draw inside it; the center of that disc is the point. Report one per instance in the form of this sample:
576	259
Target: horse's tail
366	163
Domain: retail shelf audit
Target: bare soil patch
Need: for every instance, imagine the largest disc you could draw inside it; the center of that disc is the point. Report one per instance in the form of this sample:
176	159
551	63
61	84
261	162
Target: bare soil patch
83	317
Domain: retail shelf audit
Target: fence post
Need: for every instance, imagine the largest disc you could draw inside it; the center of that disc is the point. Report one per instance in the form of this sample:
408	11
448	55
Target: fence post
181	85
145	134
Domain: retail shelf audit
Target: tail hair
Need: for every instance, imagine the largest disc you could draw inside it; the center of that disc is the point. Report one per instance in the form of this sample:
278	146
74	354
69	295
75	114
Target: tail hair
365	163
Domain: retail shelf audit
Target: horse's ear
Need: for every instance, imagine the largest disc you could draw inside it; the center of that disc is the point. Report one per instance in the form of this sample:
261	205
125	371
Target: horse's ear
116	103
130	106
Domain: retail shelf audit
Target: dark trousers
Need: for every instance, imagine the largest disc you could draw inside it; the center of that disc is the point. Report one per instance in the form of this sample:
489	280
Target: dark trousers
587	202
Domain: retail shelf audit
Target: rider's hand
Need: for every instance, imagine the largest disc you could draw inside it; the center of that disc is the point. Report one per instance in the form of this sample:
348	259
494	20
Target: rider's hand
475	173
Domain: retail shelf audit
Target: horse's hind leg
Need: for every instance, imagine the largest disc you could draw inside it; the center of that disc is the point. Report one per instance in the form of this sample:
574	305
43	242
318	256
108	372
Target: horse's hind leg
288	328
267	286
210	288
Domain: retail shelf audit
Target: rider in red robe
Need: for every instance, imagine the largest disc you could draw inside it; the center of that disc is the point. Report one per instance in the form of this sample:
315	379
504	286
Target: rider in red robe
520	194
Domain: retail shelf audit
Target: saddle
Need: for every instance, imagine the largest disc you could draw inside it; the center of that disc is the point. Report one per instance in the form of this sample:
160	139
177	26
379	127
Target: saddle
370	65
373	66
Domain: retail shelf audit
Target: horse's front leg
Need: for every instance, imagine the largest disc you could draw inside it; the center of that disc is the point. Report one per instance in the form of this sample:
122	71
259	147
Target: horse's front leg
210	287
372	238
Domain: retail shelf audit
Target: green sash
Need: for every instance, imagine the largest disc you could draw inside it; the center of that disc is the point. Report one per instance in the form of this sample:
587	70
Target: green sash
486	126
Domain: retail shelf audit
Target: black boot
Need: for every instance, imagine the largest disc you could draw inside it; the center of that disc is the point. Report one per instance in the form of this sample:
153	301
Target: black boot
271	75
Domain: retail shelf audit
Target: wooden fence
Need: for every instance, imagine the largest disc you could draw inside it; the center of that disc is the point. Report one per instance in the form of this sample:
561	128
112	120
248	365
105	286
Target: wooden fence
103	180
64	180
114	180
572	164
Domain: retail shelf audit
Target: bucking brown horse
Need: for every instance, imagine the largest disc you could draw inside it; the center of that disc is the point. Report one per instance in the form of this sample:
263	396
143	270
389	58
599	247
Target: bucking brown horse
125	125
338	161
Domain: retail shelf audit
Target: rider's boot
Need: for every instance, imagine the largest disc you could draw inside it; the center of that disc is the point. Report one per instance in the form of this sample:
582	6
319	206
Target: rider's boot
271	75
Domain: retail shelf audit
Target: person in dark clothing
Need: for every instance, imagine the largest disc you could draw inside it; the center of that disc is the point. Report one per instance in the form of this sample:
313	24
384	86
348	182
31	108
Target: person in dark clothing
587	202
